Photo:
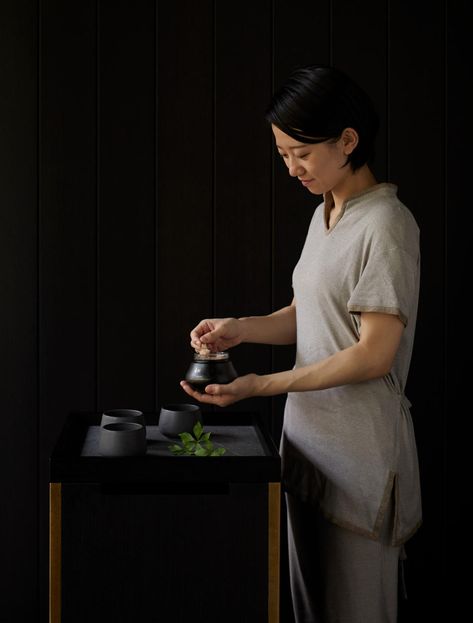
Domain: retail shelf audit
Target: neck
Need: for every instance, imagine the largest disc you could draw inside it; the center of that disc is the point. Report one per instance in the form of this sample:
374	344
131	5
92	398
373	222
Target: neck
352	185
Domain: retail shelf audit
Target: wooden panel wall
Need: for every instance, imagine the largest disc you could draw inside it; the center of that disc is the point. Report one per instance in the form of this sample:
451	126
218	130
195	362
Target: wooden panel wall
19	310
416	113
185	188
140	192
126	204
67	207
455	453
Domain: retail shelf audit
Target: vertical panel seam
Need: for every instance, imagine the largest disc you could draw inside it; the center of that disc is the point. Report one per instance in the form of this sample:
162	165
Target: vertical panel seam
272	209
97	208
214	180
388	90
38	274
156	290
213	300
331	31
445	249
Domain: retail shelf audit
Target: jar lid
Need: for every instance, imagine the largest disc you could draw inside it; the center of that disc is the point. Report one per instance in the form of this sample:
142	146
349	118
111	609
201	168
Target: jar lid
219	356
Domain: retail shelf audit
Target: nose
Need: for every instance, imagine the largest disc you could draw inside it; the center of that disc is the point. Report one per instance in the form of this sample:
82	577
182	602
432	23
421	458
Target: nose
295	169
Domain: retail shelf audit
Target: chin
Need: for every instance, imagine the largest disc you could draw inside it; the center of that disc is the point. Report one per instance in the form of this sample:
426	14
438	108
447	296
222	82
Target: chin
315	191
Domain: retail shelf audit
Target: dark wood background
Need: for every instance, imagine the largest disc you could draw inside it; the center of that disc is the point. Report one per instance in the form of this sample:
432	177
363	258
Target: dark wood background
140	193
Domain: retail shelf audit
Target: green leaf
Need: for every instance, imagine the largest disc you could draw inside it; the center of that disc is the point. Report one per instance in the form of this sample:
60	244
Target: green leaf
198	446
175	447
198	430
218	452
177	450
186	437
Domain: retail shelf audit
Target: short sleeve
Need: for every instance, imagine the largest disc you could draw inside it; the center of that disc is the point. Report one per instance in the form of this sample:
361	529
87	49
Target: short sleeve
389	283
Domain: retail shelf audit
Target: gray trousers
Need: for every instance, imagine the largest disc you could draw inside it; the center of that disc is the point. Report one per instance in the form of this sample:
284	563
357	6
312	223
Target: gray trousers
338	576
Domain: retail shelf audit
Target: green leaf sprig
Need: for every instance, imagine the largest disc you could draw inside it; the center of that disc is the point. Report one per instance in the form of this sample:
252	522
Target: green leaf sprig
197	445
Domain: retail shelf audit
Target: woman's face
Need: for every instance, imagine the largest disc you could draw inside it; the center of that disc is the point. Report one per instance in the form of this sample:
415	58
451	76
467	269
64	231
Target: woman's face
318	166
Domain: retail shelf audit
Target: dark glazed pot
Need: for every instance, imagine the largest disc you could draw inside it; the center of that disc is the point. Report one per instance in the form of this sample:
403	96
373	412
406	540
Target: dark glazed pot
212	368
178	418
122	439
122	415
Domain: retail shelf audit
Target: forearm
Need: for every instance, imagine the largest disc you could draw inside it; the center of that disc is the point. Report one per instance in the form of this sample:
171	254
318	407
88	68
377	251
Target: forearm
370	358
351	365
278	328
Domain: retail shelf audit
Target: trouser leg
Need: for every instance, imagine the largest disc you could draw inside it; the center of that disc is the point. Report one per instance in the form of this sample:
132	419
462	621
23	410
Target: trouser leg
336	575
305	572
361	574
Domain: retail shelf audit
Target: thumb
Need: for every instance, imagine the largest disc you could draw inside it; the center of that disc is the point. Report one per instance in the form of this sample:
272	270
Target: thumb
209	337
214	390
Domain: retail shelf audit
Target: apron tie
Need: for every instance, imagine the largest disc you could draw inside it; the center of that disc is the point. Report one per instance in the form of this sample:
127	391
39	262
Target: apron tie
405	402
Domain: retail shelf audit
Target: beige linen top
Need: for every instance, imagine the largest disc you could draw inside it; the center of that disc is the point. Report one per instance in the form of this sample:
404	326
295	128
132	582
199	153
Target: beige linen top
346	447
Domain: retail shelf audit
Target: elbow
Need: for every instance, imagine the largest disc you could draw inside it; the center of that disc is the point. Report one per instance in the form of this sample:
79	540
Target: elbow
386	362
376	365
383	371
380	357
382	368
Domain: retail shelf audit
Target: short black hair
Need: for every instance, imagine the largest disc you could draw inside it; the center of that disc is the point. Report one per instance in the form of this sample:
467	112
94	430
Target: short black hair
317	102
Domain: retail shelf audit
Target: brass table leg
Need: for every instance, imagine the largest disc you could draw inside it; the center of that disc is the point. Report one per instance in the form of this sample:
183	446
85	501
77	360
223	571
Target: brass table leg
274	508
54	552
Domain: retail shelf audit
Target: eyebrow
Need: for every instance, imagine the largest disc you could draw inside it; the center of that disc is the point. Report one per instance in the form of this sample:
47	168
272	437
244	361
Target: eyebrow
293	146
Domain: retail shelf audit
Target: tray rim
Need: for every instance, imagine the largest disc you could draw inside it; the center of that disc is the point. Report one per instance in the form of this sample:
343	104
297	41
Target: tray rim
67	465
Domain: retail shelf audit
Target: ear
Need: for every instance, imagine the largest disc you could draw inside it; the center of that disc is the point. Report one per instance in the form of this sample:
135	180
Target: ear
349	140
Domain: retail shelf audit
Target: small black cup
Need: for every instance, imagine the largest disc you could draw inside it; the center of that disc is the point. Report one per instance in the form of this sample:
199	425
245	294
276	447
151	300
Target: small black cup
113	416
178	418
122	439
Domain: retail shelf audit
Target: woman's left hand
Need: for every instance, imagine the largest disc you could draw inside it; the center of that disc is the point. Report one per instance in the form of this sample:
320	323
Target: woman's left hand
224	395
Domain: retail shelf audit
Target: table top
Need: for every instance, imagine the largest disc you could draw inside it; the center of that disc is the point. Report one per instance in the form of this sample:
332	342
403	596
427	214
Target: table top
251	455
240	440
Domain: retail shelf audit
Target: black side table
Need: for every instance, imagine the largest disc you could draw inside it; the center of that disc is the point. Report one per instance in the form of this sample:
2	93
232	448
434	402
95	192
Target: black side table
161	538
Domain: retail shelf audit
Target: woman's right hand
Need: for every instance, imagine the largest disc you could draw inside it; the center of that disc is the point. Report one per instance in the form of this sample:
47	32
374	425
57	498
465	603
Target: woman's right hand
216	334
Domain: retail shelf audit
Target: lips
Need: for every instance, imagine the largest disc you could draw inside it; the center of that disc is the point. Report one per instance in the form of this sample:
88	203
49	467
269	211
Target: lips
306	182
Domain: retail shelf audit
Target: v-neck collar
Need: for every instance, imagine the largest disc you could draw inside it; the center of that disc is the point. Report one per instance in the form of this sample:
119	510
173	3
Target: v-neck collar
329	202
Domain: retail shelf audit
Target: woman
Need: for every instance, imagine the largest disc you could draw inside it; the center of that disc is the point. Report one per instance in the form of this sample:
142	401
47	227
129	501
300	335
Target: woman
348	449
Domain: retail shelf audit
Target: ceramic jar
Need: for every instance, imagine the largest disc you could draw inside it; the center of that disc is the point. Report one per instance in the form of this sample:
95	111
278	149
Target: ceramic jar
211	368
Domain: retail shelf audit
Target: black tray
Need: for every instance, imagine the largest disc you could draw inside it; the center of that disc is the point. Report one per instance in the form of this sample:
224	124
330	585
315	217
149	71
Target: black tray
251	454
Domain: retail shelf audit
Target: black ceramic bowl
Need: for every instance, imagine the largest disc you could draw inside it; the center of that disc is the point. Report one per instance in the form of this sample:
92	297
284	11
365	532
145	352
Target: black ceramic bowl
122	415
122	439
178	418
211	368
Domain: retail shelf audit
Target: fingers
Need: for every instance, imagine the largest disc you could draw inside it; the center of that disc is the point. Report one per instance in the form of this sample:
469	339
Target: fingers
196	344
199	330
204	328
203	345
211	336
202	349
192	392
217	396
215	334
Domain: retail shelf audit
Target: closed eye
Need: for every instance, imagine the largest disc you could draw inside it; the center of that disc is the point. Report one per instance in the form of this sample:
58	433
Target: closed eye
301	157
